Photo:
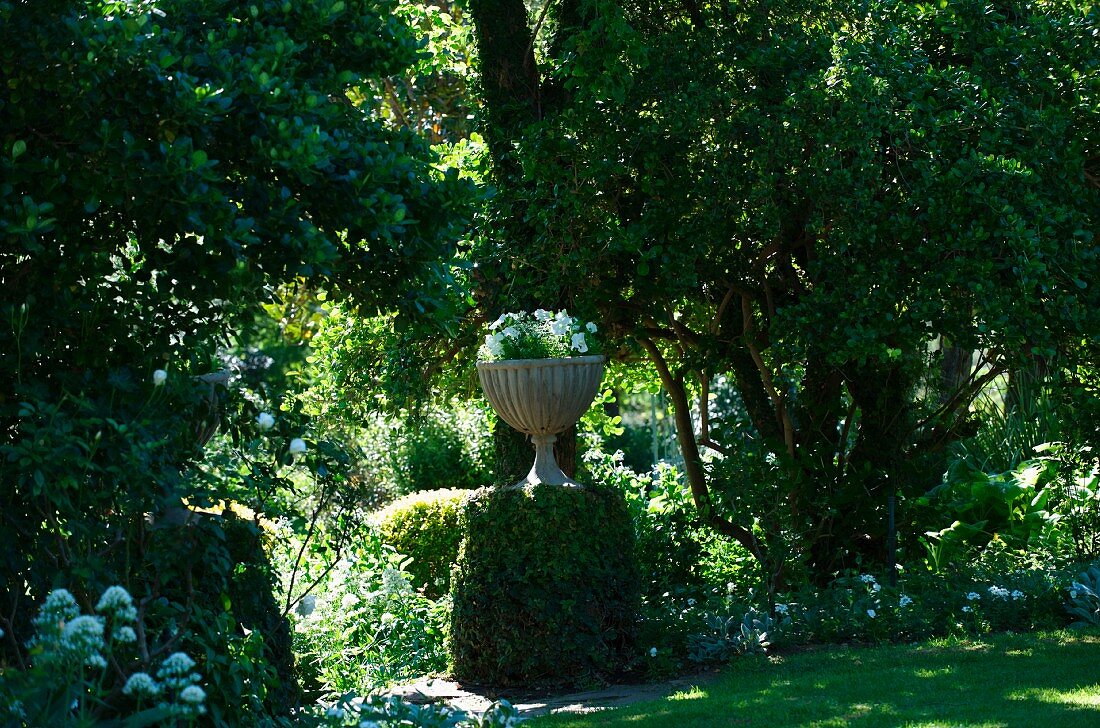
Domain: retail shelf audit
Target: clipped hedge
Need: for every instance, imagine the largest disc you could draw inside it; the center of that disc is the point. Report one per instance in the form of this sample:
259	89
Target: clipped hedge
546	588
425	527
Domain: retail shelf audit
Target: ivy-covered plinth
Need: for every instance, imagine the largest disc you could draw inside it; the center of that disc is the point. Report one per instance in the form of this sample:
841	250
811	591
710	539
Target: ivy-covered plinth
546	587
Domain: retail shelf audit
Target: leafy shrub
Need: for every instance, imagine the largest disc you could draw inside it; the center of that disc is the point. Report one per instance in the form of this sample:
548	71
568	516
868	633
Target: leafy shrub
979	506
1084	597
440	449
437	449
731	635
671	555
77	660
392	711
1075	495
366	627
546	586
992	594
424	527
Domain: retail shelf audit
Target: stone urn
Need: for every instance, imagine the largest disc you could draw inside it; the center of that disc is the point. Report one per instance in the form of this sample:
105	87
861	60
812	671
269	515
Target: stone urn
542	398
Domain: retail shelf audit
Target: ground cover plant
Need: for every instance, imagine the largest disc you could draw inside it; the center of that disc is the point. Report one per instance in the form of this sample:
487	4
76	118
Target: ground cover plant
1048	678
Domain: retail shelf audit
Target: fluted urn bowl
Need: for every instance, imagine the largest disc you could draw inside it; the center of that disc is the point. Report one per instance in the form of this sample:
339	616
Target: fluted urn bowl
542	398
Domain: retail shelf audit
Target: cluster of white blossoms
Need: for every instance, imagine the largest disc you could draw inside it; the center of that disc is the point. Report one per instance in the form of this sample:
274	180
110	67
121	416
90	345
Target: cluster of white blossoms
80	639
523	335
176	677
67	637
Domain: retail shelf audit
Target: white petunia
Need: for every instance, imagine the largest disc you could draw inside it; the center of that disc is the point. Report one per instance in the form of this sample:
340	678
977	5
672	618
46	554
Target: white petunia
349	601
591	327
871	613
652	651
497	324
159	377
578	343
297	446
492	343
973	596
511	332
1017	594
265	421
541	314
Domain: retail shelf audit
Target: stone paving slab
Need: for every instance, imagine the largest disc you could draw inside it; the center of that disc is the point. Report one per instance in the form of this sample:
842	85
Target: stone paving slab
477	699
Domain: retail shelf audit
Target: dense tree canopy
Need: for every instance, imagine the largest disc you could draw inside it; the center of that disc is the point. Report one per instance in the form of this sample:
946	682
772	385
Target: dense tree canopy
799	199
164	166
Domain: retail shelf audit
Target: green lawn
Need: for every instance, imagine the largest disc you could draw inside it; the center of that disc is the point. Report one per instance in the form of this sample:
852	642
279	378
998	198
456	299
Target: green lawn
1043	680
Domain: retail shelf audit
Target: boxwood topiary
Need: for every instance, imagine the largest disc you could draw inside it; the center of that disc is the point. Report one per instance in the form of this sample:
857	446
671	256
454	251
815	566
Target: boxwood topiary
424	526
546	587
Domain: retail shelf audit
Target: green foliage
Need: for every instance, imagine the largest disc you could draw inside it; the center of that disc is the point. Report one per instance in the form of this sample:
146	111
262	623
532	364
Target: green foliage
1011	506
732	635
438	449
995	593
425	527
539	335
365	627
1048	504
1075	495
69	680
670	555
800	198
165	168
1084	597
546	586
392	711
1008	433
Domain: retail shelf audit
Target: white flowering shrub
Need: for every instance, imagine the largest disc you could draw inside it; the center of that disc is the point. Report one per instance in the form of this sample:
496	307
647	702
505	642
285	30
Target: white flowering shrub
366	627
539	335
74	663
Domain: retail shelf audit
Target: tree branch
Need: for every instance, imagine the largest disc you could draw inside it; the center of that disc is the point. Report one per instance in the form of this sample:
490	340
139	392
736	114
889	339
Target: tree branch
781	414
693	465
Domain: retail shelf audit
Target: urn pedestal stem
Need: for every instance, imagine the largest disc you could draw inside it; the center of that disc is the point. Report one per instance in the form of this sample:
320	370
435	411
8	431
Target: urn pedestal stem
546	468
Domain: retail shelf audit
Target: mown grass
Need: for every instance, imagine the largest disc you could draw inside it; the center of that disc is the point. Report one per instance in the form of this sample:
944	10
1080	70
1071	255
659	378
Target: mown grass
1036	680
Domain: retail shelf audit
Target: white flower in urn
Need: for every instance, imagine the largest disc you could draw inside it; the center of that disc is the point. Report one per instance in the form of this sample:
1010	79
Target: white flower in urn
542	334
